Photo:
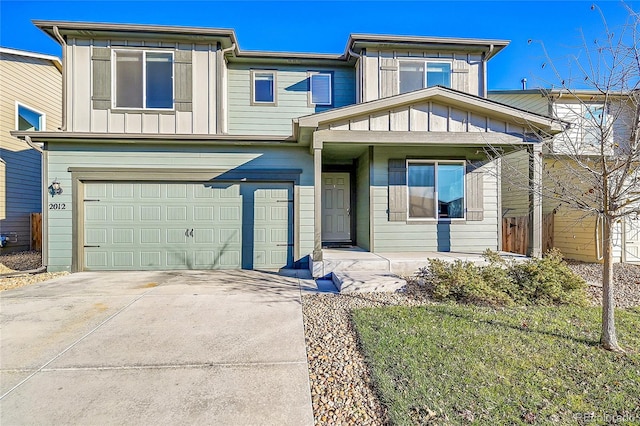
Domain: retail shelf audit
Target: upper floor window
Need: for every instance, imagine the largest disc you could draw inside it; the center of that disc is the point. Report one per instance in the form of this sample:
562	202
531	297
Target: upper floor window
415	75
263	87
436	189
29	119
594	123
143	79
320	90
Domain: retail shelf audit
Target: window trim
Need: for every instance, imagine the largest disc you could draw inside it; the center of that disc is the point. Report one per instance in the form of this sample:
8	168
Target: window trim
144	52
253	87
426	62
43	116
462	163
310	102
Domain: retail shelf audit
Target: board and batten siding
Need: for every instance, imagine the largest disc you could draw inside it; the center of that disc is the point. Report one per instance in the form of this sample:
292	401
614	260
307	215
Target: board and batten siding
465	236
380	70
430	117
37	84
62	156
89	108
292	101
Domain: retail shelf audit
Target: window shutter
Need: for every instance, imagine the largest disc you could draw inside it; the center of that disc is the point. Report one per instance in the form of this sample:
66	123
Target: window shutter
101	63
183	80
474	181
397	190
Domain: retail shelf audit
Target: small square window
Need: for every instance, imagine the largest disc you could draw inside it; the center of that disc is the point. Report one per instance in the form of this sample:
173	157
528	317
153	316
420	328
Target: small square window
320	89
29	119
264	83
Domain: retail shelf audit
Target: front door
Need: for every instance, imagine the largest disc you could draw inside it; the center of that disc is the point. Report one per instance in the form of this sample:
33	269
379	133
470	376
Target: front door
632	239
336	207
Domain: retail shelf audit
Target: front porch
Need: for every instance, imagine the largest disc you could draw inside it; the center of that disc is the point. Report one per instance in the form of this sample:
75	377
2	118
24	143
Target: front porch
356	259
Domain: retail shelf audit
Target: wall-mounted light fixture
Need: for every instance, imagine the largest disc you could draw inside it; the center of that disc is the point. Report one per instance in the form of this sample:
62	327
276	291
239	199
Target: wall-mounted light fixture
55	188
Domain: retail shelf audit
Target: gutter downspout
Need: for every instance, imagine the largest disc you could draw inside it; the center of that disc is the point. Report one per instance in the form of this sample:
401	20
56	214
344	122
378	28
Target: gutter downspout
222	90
485	59
56	32
29	142
360	83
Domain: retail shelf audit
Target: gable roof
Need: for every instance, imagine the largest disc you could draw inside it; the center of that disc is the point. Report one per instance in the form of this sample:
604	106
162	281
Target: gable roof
442	94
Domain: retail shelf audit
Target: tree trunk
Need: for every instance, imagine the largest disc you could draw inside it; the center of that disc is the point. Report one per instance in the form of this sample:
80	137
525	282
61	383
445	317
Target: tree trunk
609	339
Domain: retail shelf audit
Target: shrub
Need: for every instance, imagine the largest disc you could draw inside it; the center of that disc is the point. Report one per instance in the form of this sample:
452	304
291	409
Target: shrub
546	281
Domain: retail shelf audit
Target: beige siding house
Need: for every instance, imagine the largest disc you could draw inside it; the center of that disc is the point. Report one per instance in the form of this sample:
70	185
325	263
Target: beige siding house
31	88
226	158
576	233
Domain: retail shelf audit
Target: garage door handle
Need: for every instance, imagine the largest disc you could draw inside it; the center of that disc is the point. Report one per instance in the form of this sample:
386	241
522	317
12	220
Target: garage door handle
284	245
91	246
191	233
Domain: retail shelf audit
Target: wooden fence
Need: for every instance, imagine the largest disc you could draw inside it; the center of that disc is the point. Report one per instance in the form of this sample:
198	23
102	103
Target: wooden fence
515	234
36	231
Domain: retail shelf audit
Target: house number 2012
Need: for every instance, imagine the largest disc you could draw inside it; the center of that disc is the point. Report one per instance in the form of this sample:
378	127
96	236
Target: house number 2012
57	206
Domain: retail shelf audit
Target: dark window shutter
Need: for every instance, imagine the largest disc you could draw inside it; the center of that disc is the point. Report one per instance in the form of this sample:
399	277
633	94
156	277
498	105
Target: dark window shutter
474	182
101	62
397	190
183	80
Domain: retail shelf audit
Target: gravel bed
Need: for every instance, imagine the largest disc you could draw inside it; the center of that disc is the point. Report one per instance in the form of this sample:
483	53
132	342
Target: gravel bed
626	282
341	389
23	261
20	261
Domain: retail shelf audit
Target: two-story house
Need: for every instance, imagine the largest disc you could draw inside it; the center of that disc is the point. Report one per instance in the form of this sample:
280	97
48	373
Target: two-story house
578	234
180	150
30	84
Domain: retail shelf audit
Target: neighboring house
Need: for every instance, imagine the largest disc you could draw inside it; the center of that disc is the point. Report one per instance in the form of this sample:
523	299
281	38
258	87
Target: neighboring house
31	99
180	150
576	234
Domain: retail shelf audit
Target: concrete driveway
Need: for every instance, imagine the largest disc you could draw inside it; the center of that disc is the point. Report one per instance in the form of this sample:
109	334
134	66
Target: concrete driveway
155	348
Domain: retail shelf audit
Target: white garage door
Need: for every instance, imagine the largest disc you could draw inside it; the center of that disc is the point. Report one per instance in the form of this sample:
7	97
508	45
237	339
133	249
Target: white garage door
142	226
632	239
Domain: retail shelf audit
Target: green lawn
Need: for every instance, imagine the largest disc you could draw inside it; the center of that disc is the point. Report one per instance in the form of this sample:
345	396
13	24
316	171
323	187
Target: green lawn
455	364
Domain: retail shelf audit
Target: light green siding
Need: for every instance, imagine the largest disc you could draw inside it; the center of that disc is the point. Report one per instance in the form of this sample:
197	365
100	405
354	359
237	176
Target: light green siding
515	181
62	156
291	96
534	102
469	236
363	216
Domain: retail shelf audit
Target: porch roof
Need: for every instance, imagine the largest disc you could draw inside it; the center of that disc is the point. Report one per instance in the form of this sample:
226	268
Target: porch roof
429	115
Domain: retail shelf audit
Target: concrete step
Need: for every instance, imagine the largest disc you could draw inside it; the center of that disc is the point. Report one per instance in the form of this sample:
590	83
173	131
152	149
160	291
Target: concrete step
366	282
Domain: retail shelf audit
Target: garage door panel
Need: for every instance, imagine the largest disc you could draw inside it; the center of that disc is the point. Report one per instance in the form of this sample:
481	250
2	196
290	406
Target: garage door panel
187	225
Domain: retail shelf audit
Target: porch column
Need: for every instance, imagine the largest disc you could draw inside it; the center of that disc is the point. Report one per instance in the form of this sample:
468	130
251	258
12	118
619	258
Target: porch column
535	200
317	203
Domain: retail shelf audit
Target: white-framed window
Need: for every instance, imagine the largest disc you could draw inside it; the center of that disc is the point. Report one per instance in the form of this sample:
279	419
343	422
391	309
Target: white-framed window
263	87
320	88
436	189
594	123
415	75
143	79
28	118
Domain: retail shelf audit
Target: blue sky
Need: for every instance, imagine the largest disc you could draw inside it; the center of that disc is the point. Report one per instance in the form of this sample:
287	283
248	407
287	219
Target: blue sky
324	26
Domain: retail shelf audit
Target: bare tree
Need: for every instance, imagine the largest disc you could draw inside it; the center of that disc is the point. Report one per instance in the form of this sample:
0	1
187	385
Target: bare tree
592	169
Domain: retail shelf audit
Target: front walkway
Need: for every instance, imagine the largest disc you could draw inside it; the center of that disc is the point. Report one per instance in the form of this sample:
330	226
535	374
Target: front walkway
192	347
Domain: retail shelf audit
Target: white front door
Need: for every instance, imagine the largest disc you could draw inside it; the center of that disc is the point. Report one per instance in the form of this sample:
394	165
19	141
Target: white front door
632	239
336	208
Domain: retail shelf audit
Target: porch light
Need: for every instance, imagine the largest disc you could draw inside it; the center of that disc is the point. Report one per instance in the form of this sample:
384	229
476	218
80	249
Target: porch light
55	188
